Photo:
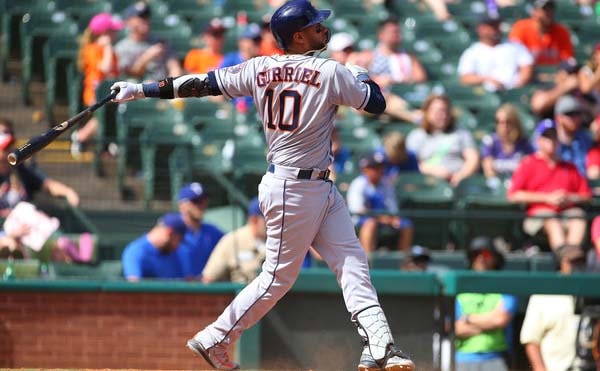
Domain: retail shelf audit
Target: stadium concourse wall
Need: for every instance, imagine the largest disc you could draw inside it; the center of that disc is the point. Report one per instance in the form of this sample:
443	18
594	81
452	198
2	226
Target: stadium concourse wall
144	325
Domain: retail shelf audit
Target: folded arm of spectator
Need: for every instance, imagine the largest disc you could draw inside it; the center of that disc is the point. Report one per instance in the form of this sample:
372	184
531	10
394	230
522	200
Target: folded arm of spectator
58	189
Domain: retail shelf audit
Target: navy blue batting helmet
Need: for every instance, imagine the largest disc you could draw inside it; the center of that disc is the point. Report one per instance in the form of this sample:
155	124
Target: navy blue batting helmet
292	17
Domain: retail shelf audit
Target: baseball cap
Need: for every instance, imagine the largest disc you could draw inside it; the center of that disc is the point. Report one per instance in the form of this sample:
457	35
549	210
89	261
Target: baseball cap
6	140
254	208
191	192
341	41
542	3
372	160
546	127
252	31
566	104
173	221
489	19
103	22
570	66
420	252
215	27
139	9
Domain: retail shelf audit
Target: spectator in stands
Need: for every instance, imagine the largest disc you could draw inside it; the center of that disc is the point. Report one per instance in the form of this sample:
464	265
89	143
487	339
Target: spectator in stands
549	328
21	182
495	64
565	81
397	158
341	46
370	193
210	56
548	40
154	255
574	140
97	61
200	238
443	150
502	150
239	254
141	55
268	44
592	159
417	259
594	253
553	191
388	63
483	322
248	47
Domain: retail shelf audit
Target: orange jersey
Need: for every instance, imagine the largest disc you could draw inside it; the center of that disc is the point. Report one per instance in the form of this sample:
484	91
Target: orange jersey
549	48
201	61
92	56
269	47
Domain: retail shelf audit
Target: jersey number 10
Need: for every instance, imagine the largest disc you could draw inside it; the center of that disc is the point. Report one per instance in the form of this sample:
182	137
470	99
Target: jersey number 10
284	96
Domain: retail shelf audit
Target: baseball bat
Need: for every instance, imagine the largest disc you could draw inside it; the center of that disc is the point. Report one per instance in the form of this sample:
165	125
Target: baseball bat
38	143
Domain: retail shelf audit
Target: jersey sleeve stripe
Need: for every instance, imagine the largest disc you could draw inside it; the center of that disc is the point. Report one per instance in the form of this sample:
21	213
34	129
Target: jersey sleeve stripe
220	82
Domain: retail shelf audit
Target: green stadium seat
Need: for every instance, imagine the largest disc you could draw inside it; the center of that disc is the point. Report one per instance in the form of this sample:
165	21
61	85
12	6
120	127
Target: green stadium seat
359	140
22	268
428	201
10	18
105	270
227	218
477	194
35	29
156	144
543	262
59	53
249	164
83	10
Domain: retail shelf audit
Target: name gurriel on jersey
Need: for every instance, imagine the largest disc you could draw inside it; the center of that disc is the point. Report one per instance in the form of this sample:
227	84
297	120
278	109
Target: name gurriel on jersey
288	74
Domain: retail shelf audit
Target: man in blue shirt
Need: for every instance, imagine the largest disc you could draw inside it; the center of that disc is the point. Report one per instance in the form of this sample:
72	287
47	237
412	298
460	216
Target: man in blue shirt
200	238
153	255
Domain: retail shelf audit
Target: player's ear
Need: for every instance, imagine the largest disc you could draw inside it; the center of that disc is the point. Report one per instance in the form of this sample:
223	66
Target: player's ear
298	37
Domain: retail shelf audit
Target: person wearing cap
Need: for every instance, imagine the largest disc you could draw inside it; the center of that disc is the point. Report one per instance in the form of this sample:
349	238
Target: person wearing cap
548	40
341	46
549	329
372	200
22	182
200	237
444	150
153	255
202	60
141	55
97	60
483	321
574	140
553	191
240	253
493	63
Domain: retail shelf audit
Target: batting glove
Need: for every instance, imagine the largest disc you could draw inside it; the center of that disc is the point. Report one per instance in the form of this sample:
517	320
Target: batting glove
359	72
127	91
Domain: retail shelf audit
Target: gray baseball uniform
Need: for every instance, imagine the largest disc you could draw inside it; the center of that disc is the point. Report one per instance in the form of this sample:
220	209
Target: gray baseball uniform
297	97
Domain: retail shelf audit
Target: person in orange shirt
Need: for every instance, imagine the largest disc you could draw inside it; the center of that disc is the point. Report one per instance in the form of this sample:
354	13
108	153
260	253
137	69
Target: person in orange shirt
211	56
548	40
268	44
97	61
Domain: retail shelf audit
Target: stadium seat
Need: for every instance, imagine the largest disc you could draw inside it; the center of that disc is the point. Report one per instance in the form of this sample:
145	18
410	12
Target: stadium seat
59	53
35	29
22	268
486	211
428	201
226	218
249	164
83	10
105	270
156	144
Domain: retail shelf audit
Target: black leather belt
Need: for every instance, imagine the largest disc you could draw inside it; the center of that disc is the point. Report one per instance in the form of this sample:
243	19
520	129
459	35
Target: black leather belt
305	174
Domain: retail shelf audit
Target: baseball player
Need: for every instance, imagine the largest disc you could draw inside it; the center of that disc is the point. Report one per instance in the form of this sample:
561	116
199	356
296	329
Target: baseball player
297	95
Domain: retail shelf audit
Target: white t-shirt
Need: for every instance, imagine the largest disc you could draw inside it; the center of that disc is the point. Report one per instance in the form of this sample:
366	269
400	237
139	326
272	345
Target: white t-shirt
501	61
551	322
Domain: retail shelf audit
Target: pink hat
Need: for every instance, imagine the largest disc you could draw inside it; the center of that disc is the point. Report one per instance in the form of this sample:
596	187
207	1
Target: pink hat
100	23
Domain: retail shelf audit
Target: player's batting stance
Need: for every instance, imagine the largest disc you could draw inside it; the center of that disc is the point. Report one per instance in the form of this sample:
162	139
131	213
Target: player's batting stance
296	95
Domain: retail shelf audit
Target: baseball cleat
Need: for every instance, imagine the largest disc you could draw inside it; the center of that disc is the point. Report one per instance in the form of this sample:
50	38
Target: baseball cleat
216	356
395	360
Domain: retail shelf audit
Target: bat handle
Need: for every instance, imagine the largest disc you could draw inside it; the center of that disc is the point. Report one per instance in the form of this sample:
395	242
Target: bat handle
12	159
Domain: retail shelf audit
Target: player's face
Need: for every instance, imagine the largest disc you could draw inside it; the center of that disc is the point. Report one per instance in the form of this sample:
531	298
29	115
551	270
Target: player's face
317	36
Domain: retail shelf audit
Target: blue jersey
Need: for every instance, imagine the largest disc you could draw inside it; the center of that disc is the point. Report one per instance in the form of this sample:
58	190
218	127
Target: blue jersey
196	247
142	259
